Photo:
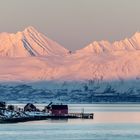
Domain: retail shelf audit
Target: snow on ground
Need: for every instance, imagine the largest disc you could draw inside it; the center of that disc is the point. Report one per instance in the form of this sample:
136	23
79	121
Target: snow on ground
32	59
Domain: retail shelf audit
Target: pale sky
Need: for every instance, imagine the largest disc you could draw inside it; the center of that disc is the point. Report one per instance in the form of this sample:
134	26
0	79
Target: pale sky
73	23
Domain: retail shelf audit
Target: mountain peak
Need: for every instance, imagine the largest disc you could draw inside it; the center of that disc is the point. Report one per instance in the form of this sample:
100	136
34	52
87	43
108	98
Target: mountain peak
30	29
128	44
136	35
29	43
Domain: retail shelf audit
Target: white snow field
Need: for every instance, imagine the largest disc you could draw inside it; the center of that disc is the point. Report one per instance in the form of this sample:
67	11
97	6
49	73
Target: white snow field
30	57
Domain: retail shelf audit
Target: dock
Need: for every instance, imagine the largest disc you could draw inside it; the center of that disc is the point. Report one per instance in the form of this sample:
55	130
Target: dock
82	115
12	114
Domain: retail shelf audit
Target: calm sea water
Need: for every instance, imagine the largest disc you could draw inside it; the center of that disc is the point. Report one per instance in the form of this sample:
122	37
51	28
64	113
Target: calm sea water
111	122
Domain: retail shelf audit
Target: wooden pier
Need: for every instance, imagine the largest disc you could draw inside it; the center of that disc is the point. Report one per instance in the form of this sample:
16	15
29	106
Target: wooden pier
82	115
10	114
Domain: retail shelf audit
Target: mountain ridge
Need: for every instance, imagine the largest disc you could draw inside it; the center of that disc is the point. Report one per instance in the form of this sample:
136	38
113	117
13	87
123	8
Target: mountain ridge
28	43
35	68
128	44
31	36
31	56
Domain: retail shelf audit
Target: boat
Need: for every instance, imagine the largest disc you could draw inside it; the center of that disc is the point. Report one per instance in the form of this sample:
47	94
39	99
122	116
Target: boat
14	114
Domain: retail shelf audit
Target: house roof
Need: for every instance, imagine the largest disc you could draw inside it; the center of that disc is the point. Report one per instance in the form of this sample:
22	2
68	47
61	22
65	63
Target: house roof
59	107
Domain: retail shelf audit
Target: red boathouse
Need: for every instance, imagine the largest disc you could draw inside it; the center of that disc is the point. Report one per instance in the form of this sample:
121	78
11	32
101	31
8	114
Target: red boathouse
59	110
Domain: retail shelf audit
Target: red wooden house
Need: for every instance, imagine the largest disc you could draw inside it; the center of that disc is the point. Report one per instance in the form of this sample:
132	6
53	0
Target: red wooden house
59	110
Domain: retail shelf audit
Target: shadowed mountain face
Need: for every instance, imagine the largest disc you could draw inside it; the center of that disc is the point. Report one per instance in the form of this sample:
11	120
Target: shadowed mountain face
90	91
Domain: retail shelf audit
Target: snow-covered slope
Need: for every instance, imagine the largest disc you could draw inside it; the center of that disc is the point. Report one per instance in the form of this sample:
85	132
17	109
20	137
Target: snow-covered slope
100	67
128	44
49	61
28	43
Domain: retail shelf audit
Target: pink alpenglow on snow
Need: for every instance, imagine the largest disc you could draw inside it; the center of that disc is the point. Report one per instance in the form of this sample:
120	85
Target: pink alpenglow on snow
31	56
28	43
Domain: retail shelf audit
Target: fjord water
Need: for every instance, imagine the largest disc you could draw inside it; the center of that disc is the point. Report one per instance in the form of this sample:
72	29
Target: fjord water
111	122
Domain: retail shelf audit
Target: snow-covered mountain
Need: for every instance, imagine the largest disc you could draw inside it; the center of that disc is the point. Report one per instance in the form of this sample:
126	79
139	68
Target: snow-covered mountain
128	44
28	43
31	56
100	67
